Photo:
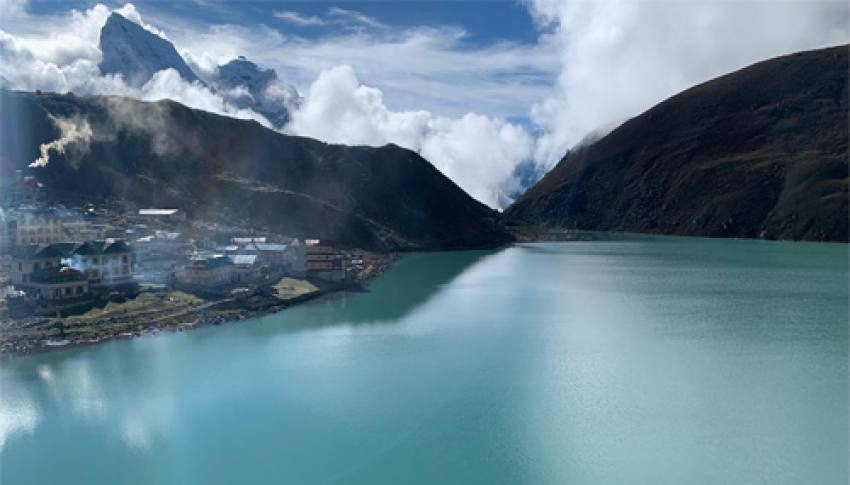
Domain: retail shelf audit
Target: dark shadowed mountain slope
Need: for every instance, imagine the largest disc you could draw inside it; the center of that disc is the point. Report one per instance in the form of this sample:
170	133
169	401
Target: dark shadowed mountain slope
760	152
222	169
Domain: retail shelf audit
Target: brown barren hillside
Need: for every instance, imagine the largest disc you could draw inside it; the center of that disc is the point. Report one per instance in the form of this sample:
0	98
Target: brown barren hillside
761	152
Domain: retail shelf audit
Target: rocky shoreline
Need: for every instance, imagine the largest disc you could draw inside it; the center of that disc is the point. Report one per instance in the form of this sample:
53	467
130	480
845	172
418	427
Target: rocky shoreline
525	233
165	312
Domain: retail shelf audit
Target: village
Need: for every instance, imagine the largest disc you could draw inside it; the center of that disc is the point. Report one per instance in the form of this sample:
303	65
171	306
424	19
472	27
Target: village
75	275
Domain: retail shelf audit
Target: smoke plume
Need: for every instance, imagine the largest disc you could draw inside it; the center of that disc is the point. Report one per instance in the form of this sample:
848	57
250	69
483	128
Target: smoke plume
75	136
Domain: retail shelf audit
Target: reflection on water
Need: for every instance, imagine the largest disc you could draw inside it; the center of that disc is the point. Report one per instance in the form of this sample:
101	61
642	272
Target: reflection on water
69	382
645	360
18	414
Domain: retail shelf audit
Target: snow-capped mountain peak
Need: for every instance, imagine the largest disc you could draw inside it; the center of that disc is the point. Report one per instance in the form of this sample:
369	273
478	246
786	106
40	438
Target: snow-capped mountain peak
246	85
242	72
136	53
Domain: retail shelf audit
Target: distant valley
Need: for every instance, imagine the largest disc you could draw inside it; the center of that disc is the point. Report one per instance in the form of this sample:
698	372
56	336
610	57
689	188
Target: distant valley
758	153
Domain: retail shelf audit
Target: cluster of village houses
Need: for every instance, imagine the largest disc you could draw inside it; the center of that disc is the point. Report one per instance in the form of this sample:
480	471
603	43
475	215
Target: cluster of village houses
61	261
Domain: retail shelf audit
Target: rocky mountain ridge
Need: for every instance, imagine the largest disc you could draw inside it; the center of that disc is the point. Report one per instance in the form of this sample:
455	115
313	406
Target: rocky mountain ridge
758	153
137	54
164	154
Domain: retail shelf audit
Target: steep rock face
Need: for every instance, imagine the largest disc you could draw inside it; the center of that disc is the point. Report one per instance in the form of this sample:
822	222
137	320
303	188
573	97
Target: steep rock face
242	72
234	171
137	54
246	85
760	152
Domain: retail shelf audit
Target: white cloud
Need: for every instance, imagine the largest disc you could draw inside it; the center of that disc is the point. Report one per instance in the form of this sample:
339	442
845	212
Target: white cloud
65	58
594	65
620	58
355	16
414	67
297	18
168	84
478	152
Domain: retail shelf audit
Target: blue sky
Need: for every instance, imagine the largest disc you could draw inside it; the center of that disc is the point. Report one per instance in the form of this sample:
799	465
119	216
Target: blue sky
479	88
485	24
486	21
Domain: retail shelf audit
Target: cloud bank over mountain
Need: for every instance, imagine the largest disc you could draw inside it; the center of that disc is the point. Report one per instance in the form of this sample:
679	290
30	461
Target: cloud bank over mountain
62	55
619	58
338	107
594	65
478	152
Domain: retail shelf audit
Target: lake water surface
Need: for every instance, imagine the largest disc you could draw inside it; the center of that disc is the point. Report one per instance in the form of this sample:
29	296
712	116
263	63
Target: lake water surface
634	360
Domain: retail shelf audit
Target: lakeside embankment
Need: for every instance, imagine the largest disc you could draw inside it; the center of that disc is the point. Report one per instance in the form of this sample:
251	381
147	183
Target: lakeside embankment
172	311
526	234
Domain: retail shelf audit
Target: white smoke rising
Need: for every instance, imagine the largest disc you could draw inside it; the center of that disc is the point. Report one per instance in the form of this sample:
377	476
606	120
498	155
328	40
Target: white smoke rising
75	132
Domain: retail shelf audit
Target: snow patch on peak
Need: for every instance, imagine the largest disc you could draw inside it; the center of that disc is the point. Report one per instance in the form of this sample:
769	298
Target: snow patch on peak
137	54
246	85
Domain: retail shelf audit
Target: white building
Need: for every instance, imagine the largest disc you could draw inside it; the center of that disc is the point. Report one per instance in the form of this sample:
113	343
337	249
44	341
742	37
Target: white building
107	263
163	215
46	226
246	268
208	273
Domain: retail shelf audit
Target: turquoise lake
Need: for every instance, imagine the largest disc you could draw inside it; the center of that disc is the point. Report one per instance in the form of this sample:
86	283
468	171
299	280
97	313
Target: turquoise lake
626	360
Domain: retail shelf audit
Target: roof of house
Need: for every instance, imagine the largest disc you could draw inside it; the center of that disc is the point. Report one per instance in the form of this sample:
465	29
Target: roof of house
320	242
158	212
45	213
86	249
67	250
57	274
265	247
211	262
39	251
93	248
119	246
171	236
246	240
243	259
